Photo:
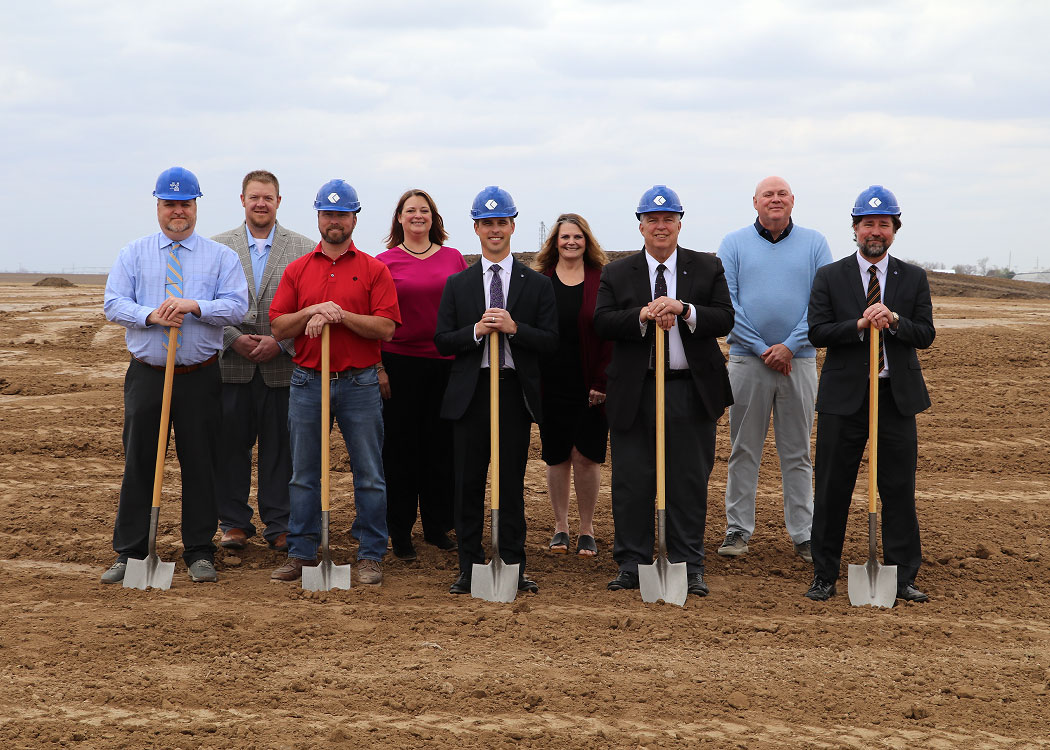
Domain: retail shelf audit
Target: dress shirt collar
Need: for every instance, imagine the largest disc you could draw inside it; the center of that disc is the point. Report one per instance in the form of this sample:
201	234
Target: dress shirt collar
504	265
669	264
253	242
865	264
768	236
189	243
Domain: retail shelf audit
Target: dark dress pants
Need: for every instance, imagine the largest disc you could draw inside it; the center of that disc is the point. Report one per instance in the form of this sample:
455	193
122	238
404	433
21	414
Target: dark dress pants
471	439
417	452
195	417
254	411
840	446
690	452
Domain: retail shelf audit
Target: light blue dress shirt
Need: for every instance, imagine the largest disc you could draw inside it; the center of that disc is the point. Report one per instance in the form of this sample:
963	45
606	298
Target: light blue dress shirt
260	252
212	277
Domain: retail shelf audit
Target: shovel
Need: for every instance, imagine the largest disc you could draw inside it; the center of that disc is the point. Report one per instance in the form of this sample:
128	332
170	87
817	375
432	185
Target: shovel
872	583
151	572
494	582
662	580
325	576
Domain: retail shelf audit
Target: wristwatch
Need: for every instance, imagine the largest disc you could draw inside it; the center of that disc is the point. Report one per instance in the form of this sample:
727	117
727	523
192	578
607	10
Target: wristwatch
896	320
685	310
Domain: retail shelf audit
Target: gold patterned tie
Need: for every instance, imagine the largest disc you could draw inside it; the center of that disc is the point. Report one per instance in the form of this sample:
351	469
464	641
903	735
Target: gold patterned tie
875	295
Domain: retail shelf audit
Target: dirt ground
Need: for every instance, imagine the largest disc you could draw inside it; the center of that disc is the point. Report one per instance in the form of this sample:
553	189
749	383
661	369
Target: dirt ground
246	663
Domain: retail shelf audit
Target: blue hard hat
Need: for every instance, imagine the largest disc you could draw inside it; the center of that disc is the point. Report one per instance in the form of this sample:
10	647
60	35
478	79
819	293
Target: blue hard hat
659	198
493	203
177	184
876	200
337	195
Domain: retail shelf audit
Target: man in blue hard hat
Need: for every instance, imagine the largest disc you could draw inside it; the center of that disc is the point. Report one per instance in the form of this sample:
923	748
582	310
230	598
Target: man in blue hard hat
173	279
339	286
772	366
256	369
496	294
865	292
665	287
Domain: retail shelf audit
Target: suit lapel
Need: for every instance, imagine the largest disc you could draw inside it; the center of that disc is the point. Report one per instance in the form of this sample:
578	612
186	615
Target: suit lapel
517	281
684	274
280	240
640	267
476	280
893	280
851	278
244	252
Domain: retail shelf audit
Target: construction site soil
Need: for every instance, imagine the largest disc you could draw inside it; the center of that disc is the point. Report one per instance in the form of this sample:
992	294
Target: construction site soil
246	663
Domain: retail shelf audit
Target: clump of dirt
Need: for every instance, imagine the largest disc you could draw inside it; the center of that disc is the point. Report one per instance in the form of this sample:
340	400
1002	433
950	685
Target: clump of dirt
54	281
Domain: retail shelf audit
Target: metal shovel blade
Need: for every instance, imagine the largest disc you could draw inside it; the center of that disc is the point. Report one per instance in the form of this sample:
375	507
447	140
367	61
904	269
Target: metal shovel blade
495	582
148	573
872	584
325	576
664	580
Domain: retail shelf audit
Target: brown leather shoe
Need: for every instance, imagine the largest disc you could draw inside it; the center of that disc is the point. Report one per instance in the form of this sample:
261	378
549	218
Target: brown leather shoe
234	539
292	570
369	571
280	542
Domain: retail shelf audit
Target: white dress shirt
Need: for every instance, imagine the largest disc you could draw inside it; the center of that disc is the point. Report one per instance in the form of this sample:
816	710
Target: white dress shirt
865	277
486	278
676	350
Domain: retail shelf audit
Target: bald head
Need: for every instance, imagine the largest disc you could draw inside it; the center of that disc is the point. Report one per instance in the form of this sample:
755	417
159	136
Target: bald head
774	201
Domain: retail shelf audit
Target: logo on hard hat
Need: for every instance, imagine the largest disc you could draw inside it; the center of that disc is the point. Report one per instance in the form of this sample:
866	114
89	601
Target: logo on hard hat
659	200
333	197
874	202
490	204
174	186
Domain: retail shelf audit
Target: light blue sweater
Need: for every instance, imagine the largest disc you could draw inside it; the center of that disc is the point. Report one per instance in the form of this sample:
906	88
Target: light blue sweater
770	284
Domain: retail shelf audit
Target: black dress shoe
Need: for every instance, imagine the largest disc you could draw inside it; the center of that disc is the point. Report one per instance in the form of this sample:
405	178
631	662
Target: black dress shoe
442	541
461	586
909	593
625	579
527	584
403	549
696	584
820	590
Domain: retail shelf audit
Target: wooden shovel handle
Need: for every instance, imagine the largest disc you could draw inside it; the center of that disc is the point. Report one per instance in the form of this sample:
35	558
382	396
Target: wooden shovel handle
873	415
494	420
165	415
661	427
326	405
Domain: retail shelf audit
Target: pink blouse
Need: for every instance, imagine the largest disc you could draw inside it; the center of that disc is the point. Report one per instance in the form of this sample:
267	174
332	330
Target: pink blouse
419	284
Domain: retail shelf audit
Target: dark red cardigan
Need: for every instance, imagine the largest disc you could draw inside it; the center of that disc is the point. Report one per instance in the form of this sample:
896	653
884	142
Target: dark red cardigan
595	353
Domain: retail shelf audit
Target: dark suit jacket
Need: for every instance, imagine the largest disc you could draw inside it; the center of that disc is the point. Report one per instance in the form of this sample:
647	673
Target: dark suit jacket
530	302
624	290
835	306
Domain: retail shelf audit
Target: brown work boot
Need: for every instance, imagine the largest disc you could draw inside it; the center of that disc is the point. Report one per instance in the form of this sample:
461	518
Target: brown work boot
369	571
292	570
280	542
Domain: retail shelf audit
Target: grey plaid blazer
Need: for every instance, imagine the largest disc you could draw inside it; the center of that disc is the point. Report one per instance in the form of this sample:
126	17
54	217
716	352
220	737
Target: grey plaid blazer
287	246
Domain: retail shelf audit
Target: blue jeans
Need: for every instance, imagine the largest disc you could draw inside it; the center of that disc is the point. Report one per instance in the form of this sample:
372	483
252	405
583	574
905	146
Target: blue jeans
357	406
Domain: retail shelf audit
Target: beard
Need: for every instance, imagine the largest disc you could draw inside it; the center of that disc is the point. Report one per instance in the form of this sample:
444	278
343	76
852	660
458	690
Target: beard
260	221
873	248
178	226
335	235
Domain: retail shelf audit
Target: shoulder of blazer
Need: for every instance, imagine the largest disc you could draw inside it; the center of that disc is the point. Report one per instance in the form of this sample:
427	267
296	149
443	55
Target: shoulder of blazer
234	238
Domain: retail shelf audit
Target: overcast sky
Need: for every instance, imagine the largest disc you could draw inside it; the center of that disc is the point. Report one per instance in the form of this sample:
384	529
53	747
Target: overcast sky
570	105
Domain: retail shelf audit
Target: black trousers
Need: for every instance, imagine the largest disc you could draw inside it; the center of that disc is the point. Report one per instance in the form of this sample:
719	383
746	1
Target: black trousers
254	411
417	452
195	417
840	446
690	454
471	445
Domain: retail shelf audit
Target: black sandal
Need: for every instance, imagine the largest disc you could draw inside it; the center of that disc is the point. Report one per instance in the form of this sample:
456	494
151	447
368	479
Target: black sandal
560	539
585	543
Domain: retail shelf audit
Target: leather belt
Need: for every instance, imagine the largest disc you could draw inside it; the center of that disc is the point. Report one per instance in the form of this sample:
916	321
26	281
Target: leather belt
672	374
182	369
349	372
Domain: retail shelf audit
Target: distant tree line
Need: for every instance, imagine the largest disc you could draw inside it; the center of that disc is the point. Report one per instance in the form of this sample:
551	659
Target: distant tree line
981	268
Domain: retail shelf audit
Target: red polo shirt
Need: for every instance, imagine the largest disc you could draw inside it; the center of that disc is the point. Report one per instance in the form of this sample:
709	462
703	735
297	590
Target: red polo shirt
356	282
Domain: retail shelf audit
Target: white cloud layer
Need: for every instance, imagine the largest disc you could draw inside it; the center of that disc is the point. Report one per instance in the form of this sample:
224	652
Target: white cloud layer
570	105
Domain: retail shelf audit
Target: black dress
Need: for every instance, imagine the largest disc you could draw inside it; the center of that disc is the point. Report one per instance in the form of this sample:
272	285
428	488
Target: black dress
568	420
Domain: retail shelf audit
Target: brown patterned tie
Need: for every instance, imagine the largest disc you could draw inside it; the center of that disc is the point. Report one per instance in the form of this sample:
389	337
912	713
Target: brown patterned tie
875	295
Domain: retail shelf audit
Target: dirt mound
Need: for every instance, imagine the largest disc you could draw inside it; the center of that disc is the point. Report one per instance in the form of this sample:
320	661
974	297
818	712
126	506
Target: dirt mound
54	281
988	287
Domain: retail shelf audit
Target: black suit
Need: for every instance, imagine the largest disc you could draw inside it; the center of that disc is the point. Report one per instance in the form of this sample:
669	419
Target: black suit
694	404
836	304
530	302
